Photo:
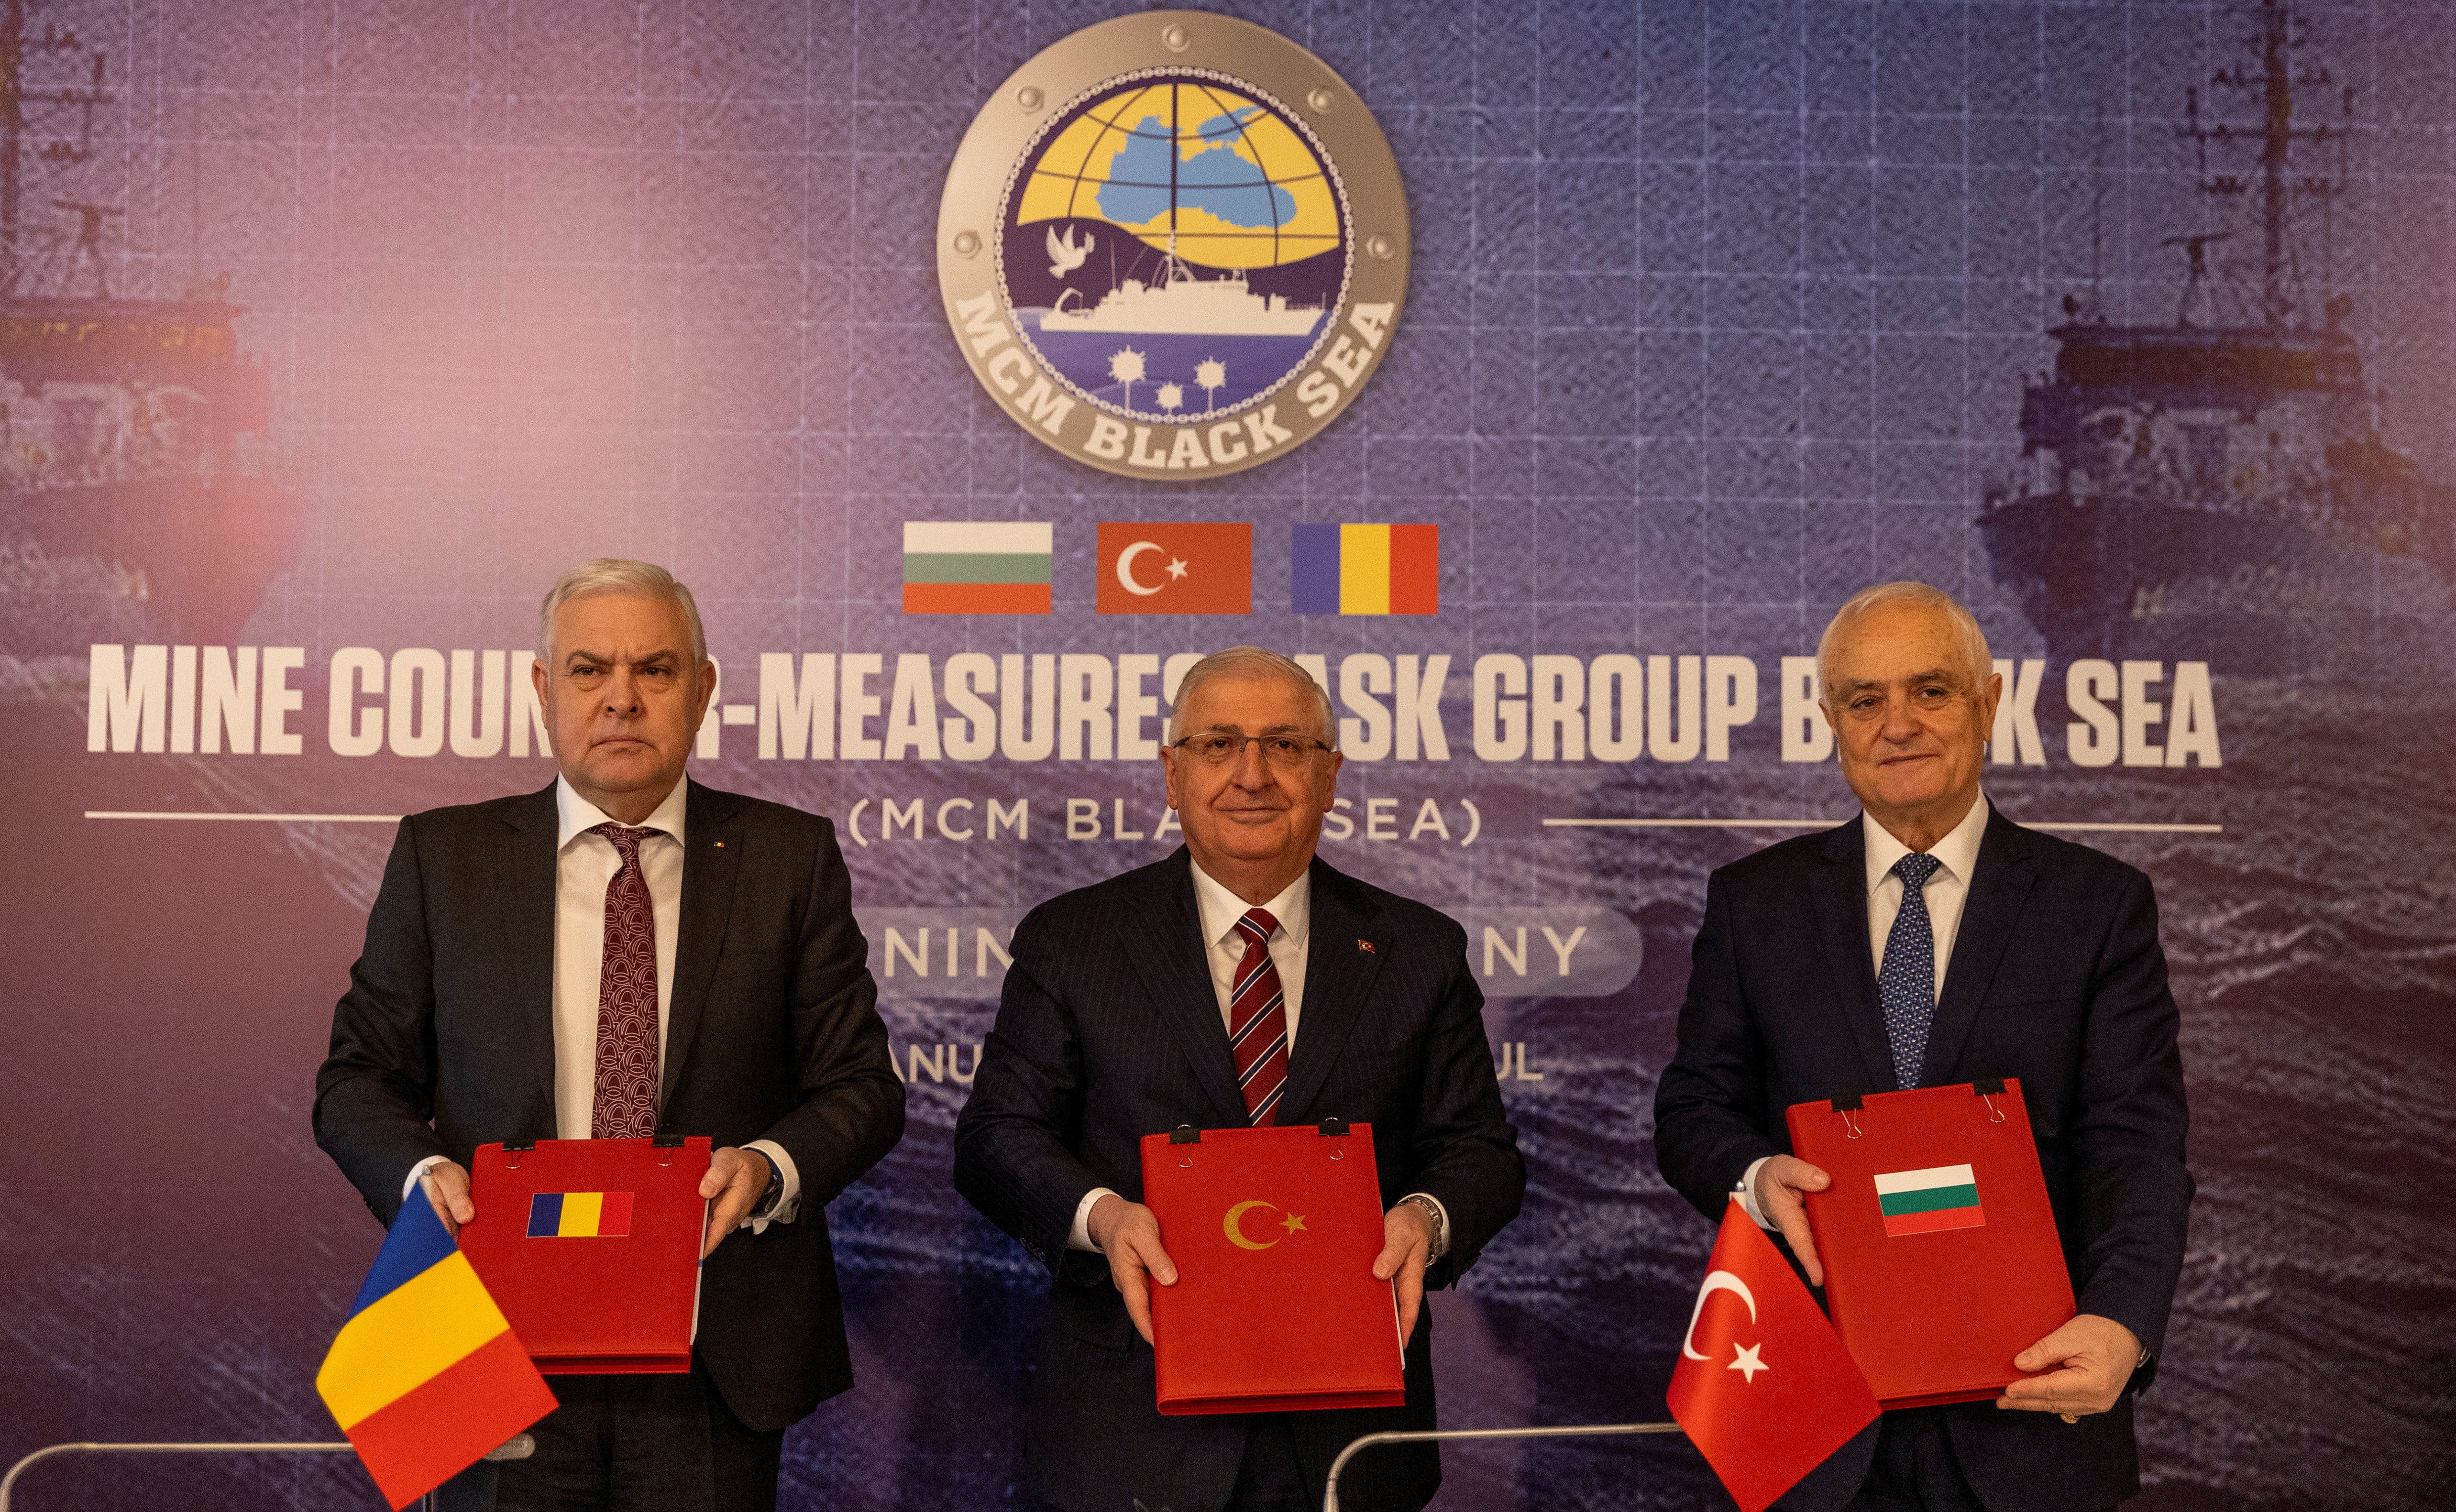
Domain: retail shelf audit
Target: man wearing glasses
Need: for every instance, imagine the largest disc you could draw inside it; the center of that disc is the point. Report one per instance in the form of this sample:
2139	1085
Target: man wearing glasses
1240	981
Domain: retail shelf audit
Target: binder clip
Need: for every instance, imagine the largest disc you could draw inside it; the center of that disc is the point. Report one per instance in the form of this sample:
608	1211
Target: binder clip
517	1148
1849	1106
668	1144
1185	1134
1333	1129
1989	1089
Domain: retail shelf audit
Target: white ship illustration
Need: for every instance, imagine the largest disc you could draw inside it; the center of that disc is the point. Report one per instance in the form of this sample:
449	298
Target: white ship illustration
1182	304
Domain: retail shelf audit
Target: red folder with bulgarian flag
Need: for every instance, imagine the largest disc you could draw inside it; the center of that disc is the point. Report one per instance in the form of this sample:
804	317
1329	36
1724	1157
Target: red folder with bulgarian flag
1941	1259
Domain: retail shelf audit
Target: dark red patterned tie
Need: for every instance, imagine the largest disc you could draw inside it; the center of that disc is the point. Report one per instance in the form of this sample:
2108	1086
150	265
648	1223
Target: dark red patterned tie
625	1106
1257	1021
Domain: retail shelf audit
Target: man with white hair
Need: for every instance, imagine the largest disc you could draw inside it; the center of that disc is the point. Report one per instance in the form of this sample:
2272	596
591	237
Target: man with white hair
623	954
1241	982
1928	942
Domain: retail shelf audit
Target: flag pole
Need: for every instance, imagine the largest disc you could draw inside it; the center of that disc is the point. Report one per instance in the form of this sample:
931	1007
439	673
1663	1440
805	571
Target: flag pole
1330	1488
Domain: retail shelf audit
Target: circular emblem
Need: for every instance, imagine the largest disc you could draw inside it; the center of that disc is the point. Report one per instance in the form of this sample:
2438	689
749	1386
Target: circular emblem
1174	246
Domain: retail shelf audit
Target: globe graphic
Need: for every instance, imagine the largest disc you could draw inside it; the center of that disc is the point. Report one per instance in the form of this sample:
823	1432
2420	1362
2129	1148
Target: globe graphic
1174	246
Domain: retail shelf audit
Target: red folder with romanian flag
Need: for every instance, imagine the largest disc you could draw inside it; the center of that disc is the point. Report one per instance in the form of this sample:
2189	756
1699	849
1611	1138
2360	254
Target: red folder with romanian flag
427	1374
592	1248
1941	1259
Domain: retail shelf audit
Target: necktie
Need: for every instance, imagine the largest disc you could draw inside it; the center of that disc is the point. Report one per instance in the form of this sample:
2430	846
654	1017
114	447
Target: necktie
1258	1020
1907	984
625	1104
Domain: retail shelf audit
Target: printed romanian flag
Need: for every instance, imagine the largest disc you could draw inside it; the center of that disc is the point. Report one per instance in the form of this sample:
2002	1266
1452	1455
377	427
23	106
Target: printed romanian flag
976	566
1366	569
580	1216
1926	1201
427	1377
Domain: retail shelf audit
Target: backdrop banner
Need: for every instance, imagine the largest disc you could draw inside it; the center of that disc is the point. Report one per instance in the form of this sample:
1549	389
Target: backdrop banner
329	333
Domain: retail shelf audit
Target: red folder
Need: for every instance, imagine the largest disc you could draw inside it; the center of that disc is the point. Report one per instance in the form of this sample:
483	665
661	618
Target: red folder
591	1248
1941	1261
1273	1233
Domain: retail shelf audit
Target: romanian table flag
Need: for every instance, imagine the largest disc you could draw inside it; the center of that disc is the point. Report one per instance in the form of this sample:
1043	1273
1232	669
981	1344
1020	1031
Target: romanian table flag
427	1377
976	566
1926	1201
1366	569
1763	1387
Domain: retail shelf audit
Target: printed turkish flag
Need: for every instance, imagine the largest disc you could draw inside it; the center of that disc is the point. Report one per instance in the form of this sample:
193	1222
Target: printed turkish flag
1148	568
1763	1387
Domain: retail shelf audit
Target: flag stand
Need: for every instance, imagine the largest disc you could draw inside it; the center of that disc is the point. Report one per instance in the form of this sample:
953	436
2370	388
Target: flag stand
1330	1488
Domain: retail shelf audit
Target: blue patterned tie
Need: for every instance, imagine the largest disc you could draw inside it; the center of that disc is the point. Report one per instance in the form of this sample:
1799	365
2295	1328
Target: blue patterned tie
1907	984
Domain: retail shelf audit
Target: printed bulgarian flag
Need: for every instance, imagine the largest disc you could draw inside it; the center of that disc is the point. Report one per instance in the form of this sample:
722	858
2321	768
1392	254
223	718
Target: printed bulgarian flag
976	566
1930	1200
580	1216
426	1375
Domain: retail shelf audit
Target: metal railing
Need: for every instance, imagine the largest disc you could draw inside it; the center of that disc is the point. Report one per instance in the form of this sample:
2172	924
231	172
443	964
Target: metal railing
519	1447
8	1481
1371	1440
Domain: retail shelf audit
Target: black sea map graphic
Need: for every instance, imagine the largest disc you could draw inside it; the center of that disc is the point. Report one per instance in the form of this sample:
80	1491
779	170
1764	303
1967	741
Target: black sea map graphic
1174	248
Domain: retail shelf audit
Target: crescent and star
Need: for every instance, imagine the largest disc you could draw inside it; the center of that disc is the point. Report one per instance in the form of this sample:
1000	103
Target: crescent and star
1237	1234
1743	1360
1126	569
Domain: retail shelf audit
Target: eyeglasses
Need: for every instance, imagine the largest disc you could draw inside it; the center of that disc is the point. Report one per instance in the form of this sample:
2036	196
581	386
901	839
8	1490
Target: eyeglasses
1217	748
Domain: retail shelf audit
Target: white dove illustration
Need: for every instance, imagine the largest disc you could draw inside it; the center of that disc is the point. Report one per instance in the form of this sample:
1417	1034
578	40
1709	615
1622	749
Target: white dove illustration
1066	256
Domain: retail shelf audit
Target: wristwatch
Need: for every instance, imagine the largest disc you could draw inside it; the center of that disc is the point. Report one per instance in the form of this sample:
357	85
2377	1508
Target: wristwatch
775	1193
1432	1212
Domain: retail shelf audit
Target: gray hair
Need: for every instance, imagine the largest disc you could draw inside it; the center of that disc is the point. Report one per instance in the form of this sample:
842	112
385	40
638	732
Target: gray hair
1973	640
637	580
1250	661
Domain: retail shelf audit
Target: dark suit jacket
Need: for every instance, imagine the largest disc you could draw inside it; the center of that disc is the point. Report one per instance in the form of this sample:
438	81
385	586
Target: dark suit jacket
1110	1031
2056	978
446	1041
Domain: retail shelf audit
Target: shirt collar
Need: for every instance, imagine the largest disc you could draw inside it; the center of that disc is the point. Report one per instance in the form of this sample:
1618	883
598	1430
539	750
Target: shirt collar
575	815
1958	850
1221	909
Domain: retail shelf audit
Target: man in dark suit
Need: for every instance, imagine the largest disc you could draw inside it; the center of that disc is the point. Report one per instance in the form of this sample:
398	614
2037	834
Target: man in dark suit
1929	942
628	954
1240	981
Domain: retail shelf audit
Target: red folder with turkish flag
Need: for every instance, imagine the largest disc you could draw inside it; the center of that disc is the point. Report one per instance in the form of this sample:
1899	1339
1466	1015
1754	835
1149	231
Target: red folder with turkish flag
591	1248
1941	1259
1274	1232
1763	1387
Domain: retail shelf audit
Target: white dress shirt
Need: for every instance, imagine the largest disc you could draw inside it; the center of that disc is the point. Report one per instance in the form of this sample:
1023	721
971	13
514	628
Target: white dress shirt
1946	890
1224	950
584	867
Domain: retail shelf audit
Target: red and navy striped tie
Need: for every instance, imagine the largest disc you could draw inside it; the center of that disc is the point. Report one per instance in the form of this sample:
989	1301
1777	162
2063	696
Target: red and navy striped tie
1257	1021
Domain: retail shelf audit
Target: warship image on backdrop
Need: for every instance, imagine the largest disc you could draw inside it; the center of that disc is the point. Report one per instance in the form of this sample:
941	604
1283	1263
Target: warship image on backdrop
134	501
2208	484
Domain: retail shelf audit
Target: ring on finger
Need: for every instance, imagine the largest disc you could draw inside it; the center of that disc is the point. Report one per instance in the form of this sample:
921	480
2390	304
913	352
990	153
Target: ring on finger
2067	1417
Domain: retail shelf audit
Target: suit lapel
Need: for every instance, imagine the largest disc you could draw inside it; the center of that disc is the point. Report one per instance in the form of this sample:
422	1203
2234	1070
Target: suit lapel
1168	953
713	848
1339	978
524	910
1999	885
1840	886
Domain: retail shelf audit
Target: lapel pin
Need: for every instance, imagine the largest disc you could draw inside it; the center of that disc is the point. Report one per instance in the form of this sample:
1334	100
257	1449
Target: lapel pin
1366	946
719	845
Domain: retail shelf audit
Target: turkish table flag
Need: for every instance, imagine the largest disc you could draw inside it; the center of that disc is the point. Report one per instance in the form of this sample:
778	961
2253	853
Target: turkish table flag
1156	568
1763	1387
